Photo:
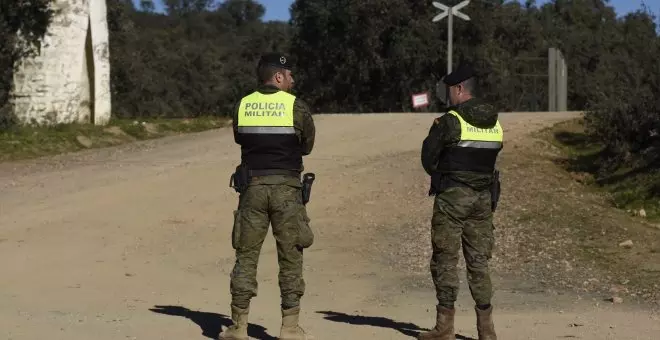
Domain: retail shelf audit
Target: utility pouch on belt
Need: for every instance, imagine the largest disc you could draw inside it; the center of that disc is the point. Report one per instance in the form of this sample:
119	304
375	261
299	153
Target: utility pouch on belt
495	190
240	179
308	180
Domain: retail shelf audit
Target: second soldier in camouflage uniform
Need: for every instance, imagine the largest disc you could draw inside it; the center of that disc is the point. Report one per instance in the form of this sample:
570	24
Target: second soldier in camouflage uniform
275	130
459	153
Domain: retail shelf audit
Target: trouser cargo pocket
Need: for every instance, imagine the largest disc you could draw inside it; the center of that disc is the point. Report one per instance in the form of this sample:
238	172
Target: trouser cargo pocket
236	230
306	235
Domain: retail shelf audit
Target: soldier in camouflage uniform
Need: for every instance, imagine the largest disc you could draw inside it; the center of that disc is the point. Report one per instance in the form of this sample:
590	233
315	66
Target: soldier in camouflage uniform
459	154
275	130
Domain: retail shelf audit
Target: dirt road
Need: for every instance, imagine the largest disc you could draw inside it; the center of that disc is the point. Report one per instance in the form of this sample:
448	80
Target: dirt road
133	243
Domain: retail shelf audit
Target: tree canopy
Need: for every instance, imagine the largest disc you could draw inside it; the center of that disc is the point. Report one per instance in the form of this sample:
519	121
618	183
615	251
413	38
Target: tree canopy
198	57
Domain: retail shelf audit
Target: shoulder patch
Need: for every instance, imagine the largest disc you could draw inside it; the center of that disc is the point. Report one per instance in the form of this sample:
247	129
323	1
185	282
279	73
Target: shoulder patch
437	120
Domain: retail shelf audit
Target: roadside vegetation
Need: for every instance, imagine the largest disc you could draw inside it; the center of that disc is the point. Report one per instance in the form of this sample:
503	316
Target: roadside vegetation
633	186
24	142
558	225
194	57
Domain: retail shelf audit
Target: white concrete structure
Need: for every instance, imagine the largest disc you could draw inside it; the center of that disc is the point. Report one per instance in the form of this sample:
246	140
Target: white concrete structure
69	81
557	81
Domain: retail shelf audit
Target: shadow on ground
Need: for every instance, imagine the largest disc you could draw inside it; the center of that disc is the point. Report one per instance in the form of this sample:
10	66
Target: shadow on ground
406	328
211	323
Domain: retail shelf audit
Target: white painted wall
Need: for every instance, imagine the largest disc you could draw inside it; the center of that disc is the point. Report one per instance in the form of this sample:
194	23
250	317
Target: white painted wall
69	81
100	45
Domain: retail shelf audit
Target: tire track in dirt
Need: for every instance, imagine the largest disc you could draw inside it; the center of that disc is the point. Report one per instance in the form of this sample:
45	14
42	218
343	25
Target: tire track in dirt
133	243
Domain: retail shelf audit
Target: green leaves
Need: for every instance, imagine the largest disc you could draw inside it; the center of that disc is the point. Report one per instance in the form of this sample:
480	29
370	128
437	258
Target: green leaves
199	58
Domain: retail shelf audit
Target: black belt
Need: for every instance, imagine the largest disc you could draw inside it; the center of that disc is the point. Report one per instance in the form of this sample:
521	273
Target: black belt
441	182
269	172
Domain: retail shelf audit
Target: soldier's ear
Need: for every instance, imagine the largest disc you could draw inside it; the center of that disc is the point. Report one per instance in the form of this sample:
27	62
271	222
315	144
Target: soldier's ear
283	76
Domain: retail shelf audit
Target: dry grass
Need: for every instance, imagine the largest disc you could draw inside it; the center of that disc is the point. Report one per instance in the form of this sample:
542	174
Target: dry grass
30	142
553	230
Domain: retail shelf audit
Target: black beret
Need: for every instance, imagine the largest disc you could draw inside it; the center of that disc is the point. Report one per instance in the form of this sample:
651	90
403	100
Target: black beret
462	73
276	59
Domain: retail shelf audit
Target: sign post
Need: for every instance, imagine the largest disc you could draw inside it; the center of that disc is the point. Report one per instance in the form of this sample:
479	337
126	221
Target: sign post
450	12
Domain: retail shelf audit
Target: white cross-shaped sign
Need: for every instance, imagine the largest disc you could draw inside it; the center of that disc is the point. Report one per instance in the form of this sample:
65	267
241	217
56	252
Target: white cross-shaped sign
454	10
450	11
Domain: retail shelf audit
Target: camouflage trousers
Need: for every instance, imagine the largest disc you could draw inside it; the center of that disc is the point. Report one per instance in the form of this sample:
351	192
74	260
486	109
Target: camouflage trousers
462	217
275	200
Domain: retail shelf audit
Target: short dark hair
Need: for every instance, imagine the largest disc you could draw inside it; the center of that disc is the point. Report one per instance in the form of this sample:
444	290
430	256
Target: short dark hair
266	72
470	85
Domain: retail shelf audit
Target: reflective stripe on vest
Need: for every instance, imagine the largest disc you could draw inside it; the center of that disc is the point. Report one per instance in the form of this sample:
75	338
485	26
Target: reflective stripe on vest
266	113
476	150
474	137
266	131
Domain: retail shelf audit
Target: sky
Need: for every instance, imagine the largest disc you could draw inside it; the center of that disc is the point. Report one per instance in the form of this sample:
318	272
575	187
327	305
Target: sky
279	9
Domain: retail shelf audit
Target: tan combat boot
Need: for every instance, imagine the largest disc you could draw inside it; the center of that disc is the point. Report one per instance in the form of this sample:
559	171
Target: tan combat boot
485	326
237	331
290	329
444	326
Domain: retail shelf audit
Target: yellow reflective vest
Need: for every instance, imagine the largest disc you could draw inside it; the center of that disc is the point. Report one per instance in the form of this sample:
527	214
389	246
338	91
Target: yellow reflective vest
476	150
266	113
266	131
